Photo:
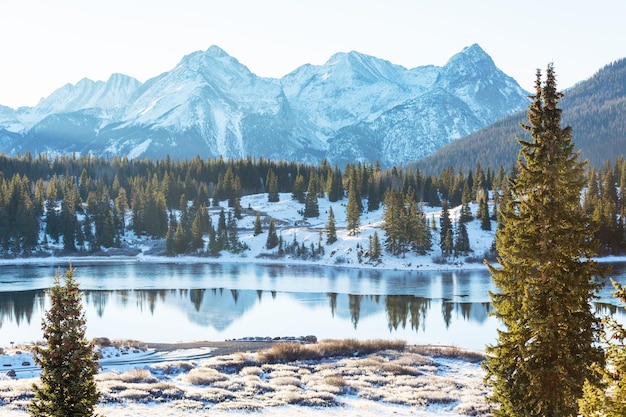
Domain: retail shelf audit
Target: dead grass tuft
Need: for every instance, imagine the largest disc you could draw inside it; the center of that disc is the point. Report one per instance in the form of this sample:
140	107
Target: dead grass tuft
449	352
335	381
137	375
134	394
291	352
204	376
173	368
251	370
287	352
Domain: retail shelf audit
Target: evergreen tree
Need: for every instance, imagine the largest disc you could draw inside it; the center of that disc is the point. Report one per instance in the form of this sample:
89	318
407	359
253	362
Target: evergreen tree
298	189
331	230
272	238
466	211
546	276
67	360
609	399
272	187
462	242
196	233
395	225
233	234
311	206
180	242
446	242
483	213
353	213
258	228
334	187
374	248
170	244
373	198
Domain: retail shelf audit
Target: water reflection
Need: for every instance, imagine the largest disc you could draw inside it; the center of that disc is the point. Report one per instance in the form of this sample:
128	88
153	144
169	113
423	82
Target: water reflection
219	308
214	302
19	307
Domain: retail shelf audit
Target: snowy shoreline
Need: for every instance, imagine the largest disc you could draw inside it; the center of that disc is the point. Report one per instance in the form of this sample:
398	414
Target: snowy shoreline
417	380
347	252
262	261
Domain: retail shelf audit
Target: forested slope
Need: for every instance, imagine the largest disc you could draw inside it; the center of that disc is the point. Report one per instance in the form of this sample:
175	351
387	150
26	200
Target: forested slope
595	108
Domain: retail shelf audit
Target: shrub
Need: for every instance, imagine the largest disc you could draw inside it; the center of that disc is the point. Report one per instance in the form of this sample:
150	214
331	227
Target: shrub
137	375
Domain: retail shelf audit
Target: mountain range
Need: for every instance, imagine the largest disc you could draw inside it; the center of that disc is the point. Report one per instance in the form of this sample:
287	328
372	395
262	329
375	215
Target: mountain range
595	109
354	107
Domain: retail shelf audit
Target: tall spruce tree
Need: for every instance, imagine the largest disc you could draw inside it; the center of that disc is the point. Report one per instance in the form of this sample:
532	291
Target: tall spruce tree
331	229
446	240
353	213
272	187
68	361
546	276
272	237
258	228
311	206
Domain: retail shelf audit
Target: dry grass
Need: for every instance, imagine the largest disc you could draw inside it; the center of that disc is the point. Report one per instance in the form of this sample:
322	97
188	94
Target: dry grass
449	352
291	352
393	374
173	368
137	375
204	376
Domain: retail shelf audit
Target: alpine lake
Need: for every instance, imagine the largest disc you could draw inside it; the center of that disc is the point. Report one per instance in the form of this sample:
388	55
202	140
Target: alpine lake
173	302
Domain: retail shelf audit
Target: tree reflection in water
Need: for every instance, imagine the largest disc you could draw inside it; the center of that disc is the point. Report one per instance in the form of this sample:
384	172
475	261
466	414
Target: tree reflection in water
220	307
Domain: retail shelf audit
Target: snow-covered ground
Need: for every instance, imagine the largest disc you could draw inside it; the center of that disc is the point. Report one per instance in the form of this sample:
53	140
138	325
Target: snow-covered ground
290	224
417	381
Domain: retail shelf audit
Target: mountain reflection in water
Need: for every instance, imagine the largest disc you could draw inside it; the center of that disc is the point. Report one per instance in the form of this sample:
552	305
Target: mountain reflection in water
217	302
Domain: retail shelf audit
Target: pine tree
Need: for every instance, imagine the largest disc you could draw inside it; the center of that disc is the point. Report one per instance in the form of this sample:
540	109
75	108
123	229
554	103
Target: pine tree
67	360
373	198
353	213
374	248
334	187
298	189
180	242
446	242
272	187
272	238
483	213
462	242
331	230
196	232
311	206
258	228
466	211
546	276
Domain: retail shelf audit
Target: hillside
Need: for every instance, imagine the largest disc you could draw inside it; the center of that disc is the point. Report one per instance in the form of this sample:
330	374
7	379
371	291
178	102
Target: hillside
595	108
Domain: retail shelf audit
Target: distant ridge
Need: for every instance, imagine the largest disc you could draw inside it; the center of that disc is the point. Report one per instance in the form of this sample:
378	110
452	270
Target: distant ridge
595	108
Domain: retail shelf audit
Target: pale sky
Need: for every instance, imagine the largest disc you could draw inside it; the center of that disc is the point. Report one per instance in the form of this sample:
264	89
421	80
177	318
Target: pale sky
45	44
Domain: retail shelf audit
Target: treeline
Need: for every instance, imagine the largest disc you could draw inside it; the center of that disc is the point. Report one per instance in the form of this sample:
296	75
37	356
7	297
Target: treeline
89	203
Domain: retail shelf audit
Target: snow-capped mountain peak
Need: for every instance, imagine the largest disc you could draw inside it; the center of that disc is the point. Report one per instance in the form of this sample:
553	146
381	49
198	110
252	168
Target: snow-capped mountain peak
472	76
85	94
353	107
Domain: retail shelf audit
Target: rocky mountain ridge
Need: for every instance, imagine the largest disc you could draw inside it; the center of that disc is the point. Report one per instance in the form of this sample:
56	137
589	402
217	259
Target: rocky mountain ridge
354	107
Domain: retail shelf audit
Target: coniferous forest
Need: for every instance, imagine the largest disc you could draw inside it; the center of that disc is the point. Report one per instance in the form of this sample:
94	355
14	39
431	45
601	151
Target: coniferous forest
84	204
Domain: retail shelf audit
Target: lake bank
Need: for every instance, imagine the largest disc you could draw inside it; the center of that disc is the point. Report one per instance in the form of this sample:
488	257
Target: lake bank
414	380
